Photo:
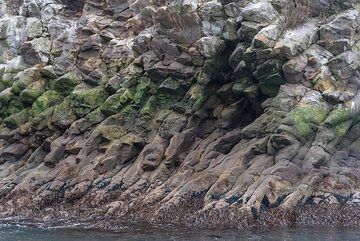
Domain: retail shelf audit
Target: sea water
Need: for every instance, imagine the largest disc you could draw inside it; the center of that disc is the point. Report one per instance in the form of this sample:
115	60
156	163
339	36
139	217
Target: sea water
25	232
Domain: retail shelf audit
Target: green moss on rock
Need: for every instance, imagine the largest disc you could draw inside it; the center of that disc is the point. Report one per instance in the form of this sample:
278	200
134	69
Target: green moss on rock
2	86
142	92
8	79
32	92
116	102
15	106
66	83
342	128
338	115
84	101
5	97
130	111
63	115
305	117
43	119
46	100
111	132
269	89
251	91
17	119
95	116
23	80
197	96
150	106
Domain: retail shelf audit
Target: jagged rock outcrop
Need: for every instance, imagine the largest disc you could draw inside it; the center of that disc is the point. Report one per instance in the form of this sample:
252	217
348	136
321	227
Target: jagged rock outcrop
199	112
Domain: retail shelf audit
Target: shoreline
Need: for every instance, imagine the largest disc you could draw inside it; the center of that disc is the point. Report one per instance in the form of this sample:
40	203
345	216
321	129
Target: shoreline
323	216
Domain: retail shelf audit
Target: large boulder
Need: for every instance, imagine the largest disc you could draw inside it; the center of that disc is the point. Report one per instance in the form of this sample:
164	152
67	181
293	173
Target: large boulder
261	12
340	34
297	40
210	47
267	37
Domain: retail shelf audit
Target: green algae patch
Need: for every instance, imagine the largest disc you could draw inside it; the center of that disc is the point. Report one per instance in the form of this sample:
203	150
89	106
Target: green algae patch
197	96
165	100
116	102
95	116
32	92
342	128
15	106
111	132
305	117
17	119
46	100
43	119
2	86
338	115
63	115
8	79
143	90
84	101
169	93
339	120
66	83
150	107
200	100
5	97
130	111
269	89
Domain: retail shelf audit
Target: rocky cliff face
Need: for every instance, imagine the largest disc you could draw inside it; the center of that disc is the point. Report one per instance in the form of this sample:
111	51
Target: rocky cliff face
187	111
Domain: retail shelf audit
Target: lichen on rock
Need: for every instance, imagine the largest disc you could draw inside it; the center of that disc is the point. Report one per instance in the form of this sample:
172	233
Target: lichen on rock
192	112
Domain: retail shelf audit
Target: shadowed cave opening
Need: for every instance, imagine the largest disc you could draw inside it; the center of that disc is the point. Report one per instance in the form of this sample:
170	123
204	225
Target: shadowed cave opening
247	107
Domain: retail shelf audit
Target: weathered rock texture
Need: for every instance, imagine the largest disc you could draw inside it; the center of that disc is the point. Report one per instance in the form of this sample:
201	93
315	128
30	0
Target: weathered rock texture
199	112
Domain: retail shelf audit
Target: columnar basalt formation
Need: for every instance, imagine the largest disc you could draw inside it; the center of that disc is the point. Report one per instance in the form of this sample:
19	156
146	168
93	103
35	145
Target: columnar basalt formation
187	111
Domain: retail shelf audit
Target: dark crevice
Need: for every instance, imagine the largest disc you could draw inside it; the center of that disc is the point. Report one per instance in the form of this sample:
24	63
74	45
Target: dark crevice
73	6
265	204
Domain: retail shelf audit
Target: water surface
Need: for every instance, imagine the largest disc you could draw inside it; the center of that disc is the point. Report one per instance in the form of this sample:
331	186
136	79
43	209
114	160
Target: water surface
26	232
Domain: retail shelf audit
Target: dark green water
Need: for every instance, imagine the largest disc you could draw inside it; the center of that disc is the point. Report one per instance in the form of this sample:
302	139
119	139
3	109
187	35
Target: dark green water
17	232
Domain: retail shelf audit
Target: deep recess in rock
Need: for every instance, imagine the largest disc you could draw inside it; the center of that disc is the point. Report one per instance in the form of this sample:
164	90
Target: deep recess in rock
75	6
193	112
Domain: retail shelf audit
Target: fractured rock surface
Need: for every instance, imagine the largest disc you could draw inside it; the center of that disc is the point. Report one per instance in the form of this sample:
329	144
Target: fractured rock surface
200	112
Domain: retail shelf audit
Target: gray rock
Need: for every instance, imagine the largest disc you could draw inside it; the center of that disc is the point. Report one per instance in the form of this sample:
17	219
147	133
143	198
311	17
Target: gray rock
339	35
296	41
230	30
344	65
141	42
210	47
57	152
212	10
34	28
15	65
237	55
249	30
307	64
261	12
190	5
213	28
317	157
233	9
267	37
36	51
13	152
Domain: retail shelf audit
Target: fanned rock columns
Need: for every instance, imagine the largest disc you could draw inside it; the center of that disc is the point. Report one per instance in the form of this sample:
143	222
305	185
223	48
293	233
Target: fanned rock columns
197	112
